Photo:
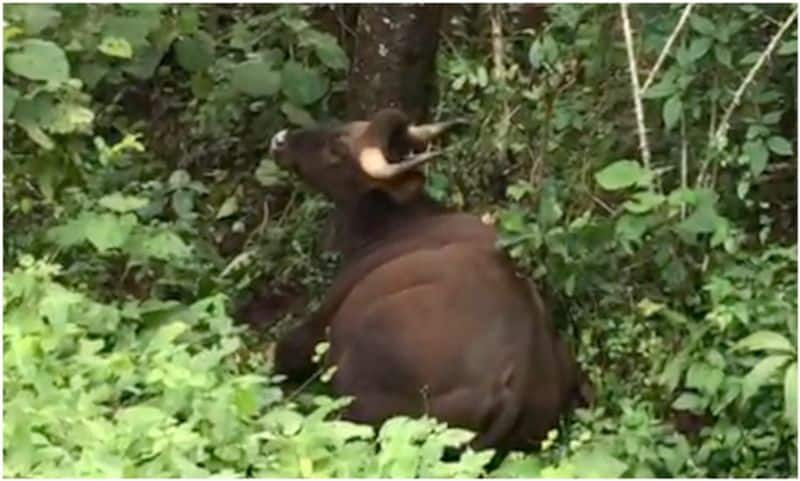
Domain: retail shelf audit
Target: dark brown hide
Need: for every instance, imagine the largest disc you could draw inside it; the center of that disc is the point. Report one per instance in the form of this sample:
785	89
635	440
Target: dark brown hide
426	316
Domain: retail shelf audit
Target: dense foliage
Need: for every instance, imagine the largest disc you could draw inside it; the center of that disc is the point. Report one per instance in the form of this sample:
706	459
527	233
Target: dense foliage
139	209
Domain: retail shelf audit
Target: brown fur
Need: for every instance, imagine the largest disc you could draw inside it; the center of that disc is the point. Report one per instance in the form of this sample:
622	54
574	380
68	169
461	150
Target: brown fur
426	316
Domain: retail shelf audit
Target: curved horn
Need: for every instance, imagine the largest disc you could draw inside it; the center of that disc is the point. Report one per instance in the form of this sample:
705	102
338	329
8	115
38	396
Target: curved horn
428	132
375	165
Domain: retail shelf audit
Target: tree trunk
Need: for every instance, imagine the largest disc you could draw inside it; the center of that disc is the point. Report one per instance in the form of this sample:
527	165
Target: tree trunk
393	60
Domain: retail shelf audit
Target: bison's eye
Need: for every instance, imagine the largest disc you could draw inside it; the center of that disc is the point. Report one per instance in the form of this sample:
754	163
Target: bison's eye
278	141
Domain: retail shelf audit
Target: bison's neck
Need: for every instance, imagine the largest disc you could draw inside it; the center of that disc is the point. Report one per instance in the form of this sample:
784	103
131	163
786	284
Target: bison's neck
375	217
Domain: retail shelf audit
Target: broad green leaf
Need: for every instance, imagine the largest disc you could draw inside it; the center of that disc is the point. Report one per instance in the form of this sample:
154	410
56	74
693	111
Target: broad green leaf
302	86
256	78
109	231
37	135
202	85
66	118
699	47
704	377
664	88
194	53
643	202
702	25
779	145
268	173
772	117
789	47
723	55
133	28
762	373
671	375
689	402
758	154
672	111
166	335
183	202
704	219
116	47
518	466
161	244
144	64
122	203
329	52
535	55
621	174
39	60
765	340
598	463
228	208
297	115
790	394
34	17
10	96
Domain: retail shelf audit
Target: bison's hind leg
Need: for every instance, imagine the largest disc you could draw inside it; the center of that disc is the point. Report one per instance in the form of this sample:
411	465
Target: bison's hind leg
295	350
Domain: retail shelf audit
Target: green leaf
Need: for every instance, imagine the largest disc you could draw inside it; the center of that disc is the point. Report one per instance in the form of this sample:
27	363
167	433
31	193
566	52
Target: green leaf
672	111
268	173
10	96
790	394
194	53
35	17
116	47
779	145
108	231
703	220
698	48
202	85
643	202
702	24
765	340
39	60
772	117
758	155
535	55
664	88
789	47
761	374
164	244
228	208
66	118
301	85
621	174
328	51
689	402
122	203
256	78
598	463
296	115
37	135
704	377
723	55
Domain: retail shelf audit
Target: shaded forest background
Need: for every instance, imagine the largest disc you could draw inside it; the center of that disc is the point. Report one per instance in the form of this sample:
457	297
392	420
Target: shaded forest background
153	251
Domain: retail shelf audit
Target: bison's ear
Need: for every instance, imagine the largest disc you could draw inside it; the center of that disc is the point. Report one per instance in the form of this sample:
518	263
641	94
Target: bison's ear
405	187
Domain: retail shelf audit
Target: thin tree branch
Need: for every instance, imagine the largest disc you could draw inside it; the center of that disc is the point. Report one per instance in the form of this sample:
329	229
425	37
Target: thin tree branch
684	162
724	124
667	46
497	43
637	96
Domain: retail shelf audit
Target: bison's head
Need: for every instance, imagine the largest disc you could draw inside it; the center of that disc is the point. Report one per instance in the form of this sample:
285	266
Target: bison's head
349	160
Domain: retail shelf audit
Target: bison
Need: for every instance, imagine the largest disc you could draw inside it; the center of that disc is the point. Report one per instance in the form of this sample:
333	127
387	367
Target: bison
426	315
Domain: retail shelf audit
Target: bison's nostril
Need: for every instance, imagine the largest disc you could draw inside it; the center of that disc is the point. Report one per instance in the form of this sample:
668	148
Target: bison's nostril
278	141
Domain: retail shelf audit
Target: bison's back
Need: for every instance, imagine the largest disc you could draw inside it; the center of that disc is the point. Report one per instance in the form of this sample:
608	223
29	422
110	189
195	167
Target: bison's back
439	325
